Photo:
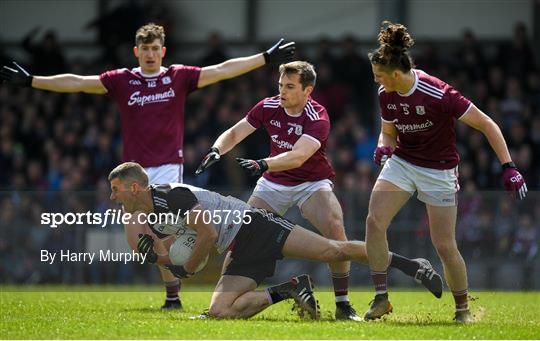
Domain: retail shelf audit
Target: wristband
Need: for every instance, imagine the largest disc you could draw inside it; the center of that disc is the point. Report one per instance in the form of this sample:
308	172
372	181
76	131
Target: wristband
508	165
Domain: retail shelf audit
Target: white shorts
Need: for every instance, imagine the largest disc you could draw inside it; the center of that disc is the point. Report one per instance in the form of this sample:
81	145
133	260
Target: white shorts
437	187
281	197
164	174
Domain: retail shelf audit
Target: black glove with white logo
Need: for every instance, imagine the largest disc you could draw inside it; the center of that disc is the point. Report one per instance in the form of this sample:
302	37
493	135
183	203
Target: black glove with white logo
253	167
16	75
209	159
280	53
145	245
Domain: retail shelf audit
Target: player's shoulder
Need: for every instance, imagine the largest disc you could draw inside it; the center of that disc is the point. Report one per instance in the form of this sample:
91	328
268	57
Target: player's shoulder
182	196
270	102
430	85
123	72
179	187
160	196
315	111
182	68
267	105
381	91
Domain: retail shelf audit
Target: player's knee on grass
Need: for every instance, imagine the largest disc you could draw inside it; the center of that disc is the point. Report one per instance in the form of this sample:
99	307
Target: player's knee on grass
220	311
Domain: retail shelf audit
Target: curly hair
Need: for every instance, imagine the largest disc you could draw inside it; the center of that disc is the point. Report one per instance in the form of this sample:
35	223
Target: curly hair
148	33
394	45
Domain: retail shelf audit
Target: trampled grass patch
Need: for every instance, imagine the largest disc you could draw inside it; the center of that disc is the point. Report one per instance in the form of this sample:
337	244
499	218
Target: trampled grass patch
134	313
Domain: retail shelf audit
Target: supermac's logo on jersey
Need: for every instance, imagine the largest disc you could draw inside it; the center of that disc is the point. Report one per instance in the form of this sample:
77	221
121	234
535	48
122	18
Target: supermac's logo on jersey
280	143
136	97
413	128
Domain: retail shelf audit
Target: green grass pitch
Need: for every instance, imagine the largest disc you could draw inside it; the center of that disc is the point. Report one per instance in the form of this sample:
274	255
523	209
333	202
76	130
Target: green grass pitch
133	313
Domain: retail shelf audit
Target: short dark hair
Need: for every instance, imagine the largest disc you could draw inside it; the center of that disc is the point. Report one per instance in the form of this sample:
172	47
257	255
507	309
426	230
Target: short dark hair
130	171
394	43
305	70
148	33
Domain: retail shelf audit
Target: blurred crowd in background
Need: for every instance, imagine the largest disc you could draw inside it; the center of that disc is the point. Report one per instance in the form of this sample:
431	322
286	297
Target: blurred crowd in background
70	142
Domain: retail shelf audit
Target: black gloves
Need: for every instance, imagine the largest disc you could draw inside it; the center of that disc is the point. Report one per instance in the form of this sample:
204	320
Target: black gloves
253	167
209	159
179	271
16	76
145	245
279	54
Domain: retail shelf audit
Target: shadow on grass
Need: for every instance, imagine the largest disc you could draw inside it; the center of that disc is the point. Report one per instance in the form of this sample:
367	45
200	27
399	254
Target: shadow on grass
150	310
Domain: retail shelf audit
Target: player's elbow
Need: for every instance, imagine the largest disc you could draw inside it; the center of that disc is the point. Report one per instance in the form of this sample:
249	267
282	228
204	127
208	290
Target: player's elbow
298	160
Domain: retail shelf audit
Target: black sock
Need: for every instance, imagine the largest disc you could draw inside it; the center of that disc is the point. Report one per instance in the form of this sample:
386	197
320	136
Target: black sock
408	266
279	292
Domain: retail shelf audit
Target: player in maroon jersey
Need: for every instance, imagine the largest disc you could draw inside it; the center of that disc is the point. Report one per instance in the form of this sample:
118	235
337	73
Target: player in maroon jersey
297	171
417	146
151	100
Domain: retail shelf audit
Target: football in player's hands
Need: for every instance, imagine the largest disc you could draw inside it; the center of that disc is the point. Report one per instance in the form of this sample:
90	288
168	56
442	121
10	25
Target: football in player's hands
182	248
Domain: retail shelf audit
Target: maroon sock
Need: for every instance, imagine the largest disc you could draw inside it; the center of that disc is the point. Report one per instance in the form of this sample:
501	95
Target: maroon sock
379	279
341	286
172	289
460	297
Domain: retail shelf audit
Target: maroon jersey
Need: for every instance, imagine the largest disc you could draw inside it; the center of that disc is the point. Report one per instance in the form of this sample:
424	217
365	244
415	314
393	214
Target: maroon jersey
152	111
425	118
284	130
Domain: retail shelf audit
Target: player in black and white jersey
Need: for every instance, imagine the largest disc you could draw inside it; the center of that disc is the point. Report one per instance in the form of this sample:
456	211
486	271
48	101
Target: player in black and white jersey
256	237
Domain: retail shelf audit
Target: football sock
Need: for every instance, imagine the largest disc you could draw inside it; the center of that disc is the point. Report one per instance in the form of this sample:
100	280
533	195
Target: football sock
341	286
408	266
379	279
172	289
460	297
279	292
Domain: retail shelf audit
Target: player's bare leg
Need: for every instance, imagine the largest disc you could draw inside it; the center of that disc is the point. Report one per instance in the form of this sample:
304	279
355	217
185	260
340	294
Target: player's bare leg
329	222
385	202
172	284
236	297
442	226
260	203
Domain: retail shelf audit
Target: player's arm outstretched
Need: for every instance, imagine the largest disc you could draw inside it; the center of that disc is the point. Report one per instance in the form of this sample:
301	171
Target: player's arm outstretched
17	75
225	142
277	54
302	150
512	178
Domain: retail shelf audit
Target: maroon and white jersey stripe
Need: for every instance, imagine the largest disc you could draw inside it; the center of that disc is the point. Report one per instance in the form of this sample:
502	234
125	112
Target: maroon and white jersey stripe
425	118
152	111
284	130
